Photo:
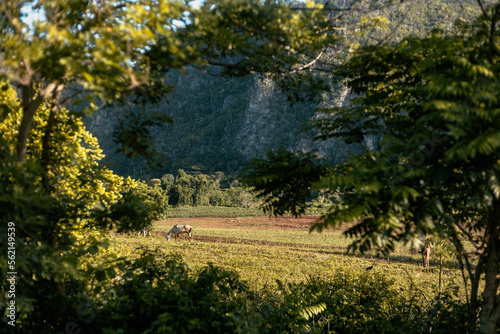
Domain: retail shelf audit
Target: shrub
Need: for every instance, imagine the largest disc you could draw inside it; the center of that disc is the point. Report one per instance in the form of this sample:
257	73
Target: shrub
139	206
169	298
353	301
154	294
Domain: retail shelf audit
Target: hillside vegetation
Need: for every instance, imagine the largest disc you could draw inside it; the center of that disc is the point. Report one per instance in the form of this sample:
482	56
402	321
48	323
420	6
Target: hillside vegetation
220	123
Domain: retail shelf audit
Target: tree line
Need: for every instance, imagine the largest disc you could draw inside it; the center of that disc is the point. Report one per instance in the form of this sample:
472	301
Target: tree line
184	189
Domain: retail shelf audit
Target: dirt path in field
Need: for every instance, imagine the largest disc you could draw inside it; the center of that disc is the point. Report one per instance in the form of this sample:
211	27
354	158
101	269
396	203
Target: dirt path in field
261	223
251	223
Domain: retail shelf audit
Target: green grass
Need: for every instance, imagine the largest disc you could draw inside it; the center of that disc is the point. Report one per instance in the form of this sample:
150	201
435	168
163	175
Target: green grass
326	241
214	211
262	265
262	256
285	237
228	212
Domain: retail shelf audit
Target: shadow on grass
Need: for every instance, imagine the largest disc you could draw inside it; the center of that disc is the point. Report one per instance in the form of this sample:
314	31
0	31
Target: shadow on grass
334	250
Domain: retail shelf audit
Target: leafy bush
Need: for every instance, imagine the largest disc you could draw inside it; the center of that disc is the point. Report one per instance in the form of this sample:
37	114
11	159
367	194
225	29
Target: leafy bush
168	298
139	206
360	302
50	202
291	309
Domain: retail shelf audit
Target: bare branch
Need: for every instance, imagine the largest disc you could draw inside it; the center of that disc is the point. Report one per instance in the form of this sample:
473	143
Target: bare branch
308	64
470	237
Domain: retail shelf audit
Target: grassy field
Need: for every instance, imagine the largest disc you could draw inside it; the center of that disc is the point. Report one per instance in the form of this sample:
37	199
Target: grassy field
226	212
214	211
265	249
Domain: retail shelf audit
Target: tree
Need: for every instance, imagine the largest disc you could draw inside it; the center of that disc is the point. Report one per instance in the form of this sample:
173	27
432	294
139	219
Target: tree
284	179
108	50
434	103
50	202
139	207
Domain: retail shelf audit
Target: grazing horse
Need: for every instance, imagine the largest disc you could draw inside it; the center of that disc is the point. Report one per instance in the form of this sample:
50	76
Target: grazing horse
179	229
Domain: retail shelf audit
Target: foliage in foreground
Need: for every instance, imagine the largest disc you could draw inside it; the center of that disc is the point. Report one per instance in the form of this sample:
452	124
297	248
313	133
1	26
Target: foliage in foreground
57	204
161	295
429	108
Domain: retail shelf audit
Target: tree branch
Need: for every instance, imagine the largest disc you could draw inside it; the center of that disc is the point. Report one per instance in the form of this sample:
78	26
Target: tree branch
308	64
30	106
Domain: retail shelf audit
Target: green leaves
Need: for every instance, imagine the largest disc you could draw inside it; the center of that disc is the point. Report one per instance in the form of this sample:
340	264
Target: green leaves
431	103
52	197
434	103
138	208
284	180
154	296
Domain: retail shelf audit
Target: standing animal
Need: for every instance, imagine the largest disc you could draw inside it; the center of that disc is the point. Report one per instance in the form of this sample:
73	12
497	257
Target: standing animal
144	232
179	229
426	253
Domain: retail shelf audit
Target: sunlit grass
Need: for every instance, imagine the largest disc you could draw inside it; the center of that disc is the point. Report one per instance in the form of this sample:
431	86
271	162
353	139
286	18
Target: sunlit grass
230	212
263	256
286	237
214	211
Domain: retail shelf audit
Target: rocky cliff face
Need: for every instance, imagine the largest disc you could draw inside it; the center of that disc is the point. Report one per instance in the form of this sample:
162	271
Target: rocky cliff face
219	125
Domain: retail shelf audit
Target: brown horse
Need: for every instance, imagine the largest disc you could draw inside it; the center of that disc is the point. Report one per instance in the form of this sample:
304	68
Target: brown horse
144	232
179	229
426	253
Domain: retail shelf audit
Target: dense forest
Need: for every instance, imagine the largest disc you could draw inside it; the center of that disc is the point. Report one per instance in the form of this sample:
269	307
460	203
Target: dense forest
220	123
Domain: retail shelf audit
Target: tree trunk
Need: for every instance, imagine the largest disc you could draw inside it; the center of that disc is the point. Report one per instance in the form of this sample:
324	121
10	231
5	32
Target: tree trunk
30	105
490	308
28	113
474	292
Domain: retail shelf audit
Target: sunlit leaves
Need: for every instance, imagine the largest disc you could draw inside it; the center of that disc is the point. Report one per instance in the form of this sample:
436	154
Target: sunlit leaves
52	197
